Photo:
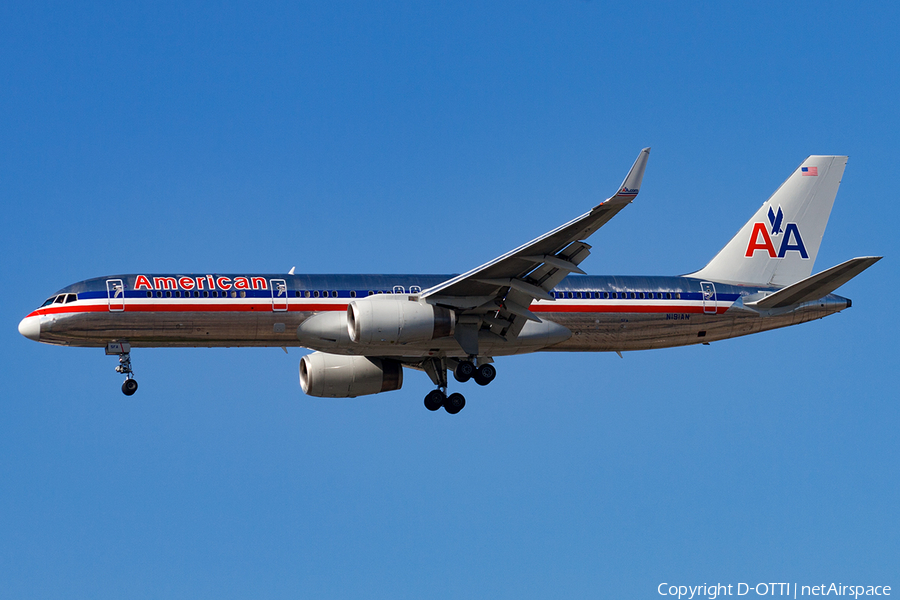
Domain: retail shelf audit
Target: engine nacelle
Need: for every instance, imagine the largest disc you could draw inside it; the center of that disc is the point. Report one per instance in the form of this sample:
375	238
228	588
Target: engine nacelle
388	319
336	376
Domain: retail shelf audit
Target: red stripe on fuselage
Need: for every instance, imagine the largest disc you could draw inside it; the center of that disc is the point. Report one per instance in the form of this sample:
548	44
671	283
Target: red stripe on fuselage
177	307
320	307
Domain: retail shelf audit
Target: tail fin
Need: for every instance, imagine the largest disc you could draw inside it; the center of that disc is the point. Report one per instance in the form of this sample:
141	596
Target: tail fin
778	246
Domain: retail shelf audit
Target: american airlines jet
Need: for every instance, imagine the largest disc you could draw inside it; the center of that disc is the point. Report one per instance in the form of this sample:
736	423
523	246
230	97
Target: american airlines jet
365	328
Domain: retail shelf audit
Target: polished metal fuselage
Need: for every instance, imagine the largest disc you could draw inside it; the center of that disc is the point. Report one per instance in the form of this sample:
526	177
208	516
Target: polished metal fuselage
589	313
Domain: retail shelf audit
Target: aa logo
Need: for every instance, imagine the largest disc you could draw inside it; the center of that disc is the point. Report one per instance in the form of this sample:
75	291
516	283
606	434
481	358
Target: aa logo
762	239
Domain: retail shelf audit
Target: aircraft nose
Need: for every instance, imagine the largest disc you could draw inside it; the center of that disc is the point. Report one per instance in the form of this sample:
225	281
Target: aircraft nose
30	327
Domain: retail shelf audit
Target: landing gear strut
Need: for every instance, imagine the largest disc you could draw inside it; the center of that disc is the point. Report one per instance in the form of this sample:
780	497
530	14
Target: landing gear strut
123	349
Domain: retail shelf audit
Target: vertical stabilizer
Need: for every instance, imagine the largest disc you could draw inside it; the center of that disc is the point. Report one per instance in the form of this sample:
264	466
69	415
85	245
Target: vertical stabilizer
778	246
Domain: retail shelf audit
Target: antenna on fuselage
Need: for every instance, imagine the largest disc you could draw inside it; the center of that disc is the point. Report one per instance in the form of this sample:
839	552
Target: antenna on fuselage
291	272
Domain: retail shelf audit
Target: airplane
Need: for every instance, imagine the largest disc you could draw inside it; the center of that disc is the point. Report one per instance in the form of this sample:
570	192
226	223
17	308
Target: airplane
363	329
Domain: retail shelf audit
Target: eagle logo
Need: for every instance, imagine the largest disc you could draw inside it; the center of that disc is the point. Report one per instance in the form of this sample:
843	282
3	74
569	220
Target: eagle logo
775	220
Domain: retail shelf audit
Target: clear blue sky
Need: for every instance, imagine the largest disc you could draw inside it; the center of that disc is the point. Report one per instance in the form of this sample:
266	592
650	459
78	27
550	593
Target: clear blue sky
430	137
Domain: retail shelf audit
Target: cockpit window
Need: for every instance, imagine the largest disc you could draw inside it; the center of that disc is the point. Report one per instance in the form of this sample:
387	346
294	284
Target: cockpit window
48	301
71	298
60	299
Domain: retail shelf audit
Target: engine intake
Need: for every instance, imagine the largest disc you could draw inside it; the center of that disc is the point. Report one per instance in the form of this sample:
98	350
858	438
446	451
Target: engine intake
335	376
397	320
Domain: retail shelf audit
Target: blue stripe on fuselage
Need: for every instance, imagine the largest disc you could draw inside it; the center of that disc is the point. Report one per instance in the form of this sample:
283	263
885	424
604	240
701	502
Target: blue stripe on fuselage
688	288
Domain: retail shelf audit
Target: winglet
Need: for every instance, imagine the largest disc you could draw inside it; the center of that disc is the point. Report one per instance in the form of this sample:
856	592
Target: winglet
632	184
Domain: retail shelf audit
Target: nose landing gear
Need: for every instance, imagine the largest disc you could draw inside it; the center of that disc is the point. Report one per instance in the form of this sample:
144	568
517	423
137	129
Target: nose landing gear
129	386
123	349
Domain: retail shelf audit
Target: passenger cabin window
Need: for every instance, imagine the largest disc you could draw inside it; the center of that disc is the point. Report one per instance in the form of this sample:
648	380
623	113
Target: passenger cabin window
353	293
149	294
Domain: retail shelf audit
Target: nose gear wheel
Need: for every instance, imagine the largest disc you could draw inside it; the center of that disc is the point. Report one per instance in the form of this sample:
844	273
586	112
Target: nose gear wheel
130	386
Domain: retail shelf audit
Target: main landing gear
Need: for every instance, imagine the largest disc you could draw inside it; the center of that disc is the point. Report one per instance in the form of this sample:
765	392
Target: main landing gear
123	349
452	404
465	370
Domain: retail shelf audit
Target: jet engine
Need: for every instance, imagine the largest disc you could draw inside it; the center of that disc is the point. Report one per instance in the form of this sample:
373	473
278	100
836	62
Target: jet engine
397	320
335	376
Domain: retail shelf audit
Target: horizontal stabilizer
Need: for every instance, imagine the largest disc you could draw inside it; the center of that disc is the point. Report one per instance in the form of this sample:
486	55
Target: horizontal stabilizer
816	286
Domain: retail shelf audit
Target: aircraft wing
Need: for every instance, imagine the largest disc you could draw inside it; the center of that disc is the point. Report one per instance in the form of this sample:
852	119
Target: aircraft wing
510	283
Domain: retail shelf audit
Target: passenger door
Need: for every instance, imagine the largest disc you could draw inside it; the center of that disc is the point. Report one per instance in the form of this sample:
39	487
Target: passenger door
708	293
279	295
115	292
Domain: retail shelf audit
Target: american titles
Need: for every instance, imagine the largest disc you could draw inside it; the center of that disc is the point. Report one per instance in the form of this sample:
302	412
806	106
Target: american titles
202	282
